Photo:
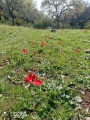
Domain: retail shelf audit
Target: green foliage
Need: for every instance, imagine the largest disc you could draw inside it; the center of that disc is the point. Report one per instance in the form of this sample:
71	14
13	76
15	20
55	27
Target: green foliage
18	12
65	25
3	20
19	22
43	24
87	25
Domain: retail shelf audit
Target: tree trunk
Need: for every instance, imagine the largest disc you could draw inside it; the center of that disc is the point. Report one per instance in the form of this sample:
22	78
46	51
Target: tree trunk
0	12
63	24
12	20
12	16
64	21
58	22
0	16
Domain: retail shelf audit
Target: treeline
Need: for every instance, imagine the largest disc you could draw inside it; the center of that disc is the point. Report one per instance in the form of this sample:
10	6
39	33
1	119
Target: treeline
19	12
55	13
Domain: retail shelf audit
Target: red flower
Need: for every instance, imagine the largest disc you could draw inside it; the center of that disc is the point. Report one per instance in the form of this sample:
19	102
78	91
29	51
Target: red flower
42	36
34	53
59	43
32	79
43	43
77	50
24	51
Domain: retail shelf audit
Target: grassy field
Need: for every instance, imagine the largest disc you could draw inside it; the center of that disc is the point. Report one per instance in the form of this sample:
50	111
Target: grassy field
61	60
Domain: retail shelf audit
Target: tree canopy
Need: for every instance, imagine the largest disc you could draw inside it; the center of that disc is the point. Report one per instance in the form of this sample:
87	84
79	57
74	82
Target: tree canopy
56	8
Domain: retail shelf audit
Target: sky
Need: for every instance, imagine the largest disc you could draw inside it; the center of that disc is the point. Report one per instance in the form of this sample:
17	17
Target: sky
39	3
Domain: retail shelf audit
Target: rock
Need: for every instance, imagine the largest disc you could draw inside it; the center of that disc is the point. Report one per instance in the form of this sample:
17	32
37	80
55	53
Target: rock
87	51
82	92
0	95
8	77
87	118
62	76
78	99
86	40
87	110
87	76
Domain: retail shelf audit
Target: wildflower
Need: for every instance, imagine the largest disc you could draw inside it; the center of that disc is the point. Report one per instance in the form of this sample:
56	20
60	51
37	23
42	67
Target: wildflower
77	50
34	53
43	43
32	79
24	51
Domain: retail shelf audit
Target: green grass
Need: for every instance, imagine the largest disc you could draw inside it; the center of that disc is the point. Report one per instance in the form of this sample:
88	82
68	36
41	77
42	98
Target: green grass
65	74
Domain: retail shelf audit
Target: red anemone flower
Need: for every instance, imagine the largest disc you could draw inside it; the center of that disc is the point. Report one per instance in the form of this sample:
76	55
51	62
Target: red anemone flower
77	50
43	43
34	53
32	79
24	51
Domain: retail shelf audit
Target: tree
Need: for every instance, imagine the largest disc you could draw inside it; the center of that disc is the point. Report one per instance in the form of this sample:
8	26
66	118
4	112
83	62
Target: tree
55	8
76	13
87	12
1	8
13	8
0	11
30	13
19	11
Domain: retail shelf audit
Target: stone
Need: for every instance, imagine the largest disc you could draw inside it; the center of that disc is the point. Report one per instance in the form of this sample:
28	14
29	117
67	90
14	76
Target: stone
87	118
0	95
78	99
87	51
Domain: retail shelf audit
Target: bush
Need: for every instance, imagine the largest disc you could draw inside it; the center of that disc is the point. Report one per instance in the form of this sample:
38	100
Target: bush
19	22
87	25
65	25
43	24
2	20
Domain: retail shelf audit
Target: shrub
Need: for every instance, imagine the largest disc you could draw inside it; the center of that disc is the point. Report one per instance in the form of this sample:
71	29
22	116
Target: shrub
19	22
43	24
65	25
87	25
